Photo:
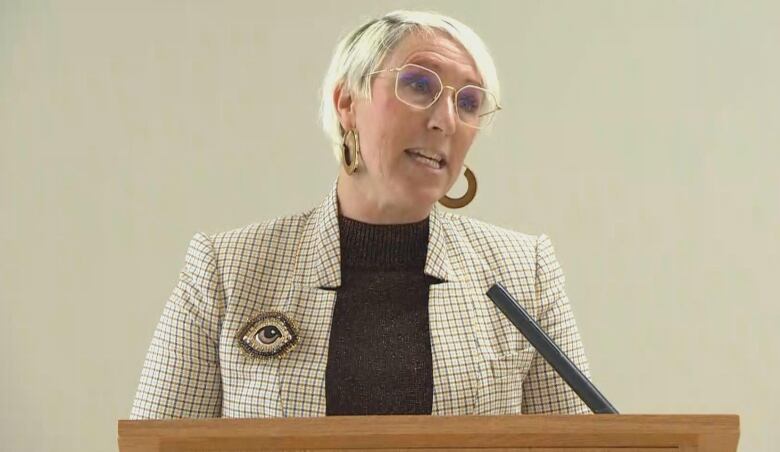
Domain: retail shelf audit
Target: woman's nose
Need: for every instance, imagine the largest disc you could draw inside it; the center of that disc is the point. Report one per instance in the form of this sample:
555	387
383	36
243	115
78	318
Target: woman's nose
444	117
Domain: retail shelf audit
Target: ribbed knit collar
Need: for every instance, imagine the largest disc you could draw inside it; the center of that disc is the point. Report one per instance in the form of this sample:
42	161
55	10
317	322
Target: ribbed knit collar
383	246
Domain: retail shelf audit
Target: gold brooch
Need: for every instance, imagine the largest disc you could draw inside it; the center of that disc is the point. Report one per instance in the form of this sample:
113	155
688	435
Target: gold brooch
270	334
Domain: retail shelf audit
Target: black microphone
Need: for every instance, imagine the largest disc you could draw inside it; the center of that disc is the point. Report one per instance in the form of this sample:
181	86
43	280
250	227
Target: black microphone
550	351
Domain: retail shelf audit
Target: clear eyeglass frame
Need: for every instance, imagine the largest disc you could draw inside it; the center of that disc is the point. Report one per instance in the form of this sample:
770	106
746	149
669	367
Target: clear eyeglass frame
488	116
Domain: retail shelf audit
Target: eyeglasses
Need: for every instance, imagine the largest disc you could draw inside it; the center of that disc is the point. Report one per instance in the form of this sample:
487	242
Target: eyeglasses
420	87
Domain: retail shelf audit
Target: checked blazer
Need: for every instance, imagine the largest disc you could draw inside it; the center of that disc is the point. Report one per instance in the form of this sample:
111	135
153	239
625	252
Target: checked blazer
481	364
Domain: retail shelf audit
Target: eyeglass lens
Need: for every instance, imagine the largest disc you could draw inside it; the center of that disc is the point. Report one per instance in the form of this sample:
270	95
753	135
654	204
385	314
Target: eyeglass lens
420	87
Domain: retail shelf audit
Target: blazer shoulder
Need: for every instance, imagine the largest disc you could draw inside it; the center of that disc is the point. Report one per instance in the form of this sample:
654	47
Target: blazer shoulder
265	233
257	248
502	255
493	240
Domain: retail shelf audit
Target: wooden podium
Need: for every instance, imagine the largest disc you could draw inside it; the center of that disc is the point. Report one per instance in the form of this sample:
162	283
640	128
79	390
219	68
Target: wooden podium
591	433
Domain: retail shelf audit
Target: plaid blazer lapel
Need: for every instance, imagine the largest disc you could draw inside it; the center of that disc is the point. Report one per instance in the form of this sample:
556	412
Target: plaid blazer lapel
479	358
451	306
316	277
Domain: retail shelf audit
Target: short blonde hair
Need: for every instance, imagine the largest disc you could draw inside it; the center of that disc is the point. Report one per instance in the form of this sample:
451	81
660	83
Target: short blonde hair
362	51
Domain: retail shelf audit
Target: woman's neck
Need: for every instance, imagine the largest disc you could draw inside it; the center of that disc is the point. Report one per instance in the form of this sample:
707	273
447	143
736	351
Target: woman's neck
361	204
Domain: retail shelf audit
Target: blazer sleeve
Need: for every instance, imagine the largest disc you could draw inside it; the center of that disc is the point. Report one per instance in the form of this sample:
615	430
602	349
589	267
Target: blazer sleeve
544	392
181	373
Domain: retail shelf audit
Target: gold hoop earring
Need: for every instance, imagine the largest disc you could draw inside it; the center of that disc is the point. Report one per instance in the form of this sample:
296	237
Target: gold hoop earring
350	155
463	201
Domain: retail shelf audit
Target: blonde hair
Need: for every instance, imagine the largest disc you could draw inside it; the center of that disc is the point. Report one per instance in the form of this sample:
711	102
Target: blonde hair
362	51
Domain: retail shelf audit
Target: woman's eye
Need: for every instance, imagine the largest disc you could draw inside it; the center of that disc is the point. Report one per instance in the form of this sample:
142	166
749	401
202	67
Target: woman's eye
269	334
418	83
468	105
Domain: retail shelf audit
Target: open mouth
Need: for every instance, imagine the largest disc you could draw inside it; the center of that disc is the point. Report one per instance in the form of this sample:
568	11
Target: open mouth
430	159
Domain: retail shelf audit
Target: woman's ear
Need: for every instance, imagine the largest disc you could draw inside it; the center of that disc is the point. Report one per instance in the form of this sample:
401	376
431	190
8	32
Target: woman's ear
345	104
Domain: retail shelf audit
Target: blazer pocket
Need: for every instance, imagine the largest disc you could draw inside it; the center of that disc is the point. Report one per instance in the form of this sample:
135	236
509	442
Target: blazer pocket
501	389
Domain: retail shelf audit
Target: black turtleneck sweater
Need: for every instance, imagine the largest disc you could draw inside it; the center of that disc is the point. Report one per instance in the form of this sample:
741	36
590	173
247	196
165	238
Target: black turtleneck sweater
379	359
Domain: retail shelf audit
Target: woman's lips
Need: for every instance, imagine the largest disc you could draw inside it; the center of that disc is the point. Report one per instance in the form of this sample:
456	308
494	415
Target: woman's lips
433	163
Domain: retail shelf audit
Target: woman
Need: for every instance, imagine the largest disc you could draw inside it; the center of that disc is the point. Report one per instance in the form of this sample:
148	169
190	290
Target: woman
374	302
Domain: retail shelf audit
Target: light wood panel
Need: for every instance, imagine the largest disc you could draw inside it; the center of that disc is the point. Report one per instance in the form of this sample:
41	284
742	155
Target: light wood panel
646	433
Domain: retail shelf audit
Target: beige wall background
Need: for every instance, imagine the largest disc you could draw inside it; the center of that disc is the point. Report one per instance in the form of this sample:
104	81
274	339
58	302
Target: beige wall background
642	136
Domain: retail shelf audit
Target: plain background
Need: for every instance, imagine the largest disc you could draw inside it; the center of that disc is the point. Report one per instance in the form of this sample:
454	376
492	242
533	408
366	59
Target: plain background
642	136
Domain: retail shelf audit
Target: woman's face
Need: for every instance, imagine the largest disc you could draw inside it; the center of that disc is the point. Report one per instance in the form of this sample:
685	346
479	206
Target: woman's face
391	176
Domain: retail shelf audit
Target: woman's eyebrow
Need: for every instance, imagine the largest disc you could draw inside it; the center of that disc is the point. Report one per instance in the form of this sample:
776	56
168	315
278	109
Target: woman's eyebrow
433	64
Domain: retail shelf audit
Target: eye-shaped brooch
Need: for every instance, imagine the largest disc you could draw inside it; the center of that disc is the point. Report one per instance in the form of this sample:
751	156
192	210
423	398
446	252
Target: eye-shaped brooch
270	334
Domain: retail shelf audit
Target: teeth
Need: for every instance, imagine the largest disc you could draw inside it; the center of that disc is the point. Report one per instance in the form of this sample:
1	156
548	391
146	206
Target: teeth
426	161
426	153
